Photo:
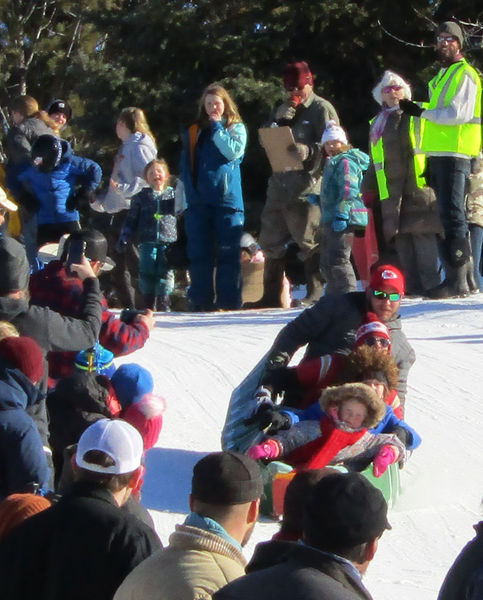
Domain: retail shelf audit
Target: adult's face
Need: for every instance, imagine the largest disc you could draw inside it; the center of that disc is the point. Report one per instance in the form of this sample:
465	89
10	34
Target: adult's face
384	307
301	94
448	48
391	94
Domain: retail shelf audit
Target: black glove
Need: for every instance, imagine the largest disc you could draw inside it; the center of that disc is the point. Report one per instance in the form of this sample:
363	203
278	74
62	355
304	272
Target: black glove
80	199
281	379
121	245
410	108
267	417
404	435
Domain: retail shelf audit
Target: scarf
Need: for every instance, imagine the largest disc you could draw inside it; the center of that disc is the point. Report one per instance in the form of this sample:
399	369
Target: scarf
379	123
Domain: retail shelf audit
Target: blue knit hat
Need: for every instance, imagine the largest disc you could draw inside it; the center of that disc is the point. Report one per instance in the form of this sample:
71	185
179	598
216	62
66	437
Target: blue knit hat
97	359
131	382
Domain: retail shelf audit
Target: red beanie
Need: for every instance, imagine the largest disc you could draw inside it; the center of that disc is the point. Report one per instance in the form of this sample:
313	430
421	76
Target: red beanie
372	327
297	75
24	354
18	507
147	417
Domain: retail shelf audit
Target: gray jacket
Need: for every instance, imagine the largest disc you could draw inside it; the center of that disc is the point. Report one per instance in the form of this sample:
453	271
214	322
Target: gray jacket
331	324
21	137
133	156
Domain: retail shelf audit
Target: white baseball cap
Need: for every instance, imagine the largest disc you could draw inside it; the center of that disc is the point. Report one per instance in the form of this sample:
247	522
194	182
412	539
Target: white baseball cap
116	438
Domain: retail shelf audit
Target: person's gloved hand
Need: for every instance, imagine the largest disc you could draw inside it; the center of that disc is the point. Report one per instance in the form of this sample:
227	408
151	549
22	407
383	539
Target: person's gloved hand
339	223
410	108
385	457
80	199
268	449
300	151
403	434
270	420
285	112
121	245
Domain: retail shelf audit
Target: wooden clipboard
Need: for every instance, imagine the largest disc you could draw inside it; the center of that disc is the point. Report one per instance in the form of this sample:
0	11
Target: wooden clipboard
276	141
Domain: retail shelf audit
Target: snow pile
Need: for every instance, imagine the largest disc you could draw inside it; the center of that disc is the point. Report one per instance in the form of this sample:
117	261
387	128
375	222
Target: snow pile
197	360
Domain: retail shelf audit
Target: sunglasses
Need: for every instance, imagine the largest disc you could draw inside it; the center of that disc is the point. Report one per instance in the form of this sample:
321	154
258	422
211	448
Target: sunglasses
377	341
396	88
393	296
446	38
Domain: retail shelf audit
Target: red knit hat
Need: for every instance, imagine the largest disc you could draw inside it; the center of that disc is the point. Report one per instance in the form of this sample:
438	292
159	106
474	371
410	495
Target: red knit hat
386	278
24	354
18	507
372	327
296	75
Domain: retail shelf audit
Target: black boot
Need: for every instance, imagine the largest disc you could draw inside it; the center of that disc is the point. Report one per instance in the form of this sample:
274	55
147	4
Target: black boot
470	277
313	281
456	264
272	285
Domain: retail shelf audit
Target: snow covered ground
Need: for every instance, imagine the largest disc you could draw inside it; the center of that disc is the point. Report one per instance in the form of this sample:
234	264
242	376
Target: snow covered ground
197	360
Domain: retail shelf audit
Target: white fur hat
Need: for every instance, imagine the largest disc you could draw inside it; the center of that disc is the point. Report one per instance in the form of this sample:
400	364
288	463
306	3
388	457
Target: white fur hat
334	132
390	78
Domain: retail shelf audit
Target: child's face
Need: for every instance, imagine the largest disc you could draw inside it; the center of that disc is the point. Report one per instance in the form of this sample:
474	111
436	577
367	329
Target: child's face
353	413
377	386
157	177
333	147
214	106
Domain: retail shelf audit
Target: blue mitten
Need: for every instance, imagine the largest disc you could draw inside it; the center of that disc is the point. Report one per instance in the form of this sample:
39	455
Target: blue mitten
339	223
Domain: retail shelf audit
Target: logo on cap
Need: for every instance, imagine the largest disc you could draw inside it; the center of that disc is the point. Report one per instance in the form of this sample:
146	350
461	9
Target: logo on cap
387	274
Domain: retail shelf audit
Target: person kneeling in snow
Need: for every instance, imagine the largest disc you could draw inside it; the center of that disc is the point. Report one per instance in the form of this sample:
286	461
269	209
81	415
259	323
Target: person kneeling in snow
341	436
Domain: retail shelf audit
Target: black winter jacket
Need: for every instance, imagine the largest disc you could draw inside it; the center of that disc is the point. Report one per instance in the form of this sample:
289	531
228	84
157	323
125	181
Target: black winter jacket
288	570
81	548
331	324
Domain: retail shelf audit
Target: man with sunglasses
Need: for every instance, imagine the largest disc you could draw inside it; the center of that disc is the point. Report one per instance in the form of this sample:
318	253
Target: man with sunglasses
331	324
451	137
291	211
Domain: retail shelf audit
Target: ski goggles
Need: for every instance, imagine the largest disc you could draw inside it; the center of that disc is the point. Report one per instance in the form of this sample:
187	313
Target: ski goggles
374	340
392	296
388	88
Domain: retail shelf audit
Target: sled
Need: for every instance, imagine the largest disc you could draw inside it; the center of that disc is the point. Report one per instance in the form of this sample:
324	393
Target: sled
236	435
365	251
277	476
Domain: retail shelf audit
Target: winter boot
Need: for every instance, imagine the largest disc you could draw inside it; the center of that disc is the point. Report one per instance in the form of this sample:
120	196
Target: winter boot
470	277
313	280
272	285
163	303
456	265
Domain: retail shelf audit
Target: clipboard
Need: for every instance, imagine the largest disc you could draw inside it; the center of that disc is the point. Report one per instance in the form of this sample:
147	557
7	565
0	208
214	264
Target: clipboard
276	141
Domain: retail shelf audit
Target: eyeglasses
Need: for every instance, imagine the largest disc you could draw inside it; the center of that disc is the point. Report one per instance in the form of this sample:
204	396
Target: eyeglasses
377	341
396	88
393	296
446	38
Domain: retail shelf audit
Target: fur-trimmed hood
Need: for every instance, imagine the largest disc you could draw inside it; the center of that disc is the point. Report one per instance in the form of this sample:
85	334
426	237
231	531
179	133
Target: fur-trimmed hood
334	396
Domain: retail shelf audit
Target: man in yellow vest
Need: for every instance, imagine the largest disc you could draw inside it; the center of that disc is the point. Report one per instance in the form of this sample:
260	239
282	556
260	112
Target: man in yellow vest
451	138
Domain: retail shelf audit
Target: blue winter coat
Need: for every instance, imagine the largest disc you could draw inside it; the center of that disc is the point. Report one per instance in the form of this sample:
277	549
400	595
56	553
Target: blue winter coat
341	183
386	425
140	220
211	176
22	458
54	188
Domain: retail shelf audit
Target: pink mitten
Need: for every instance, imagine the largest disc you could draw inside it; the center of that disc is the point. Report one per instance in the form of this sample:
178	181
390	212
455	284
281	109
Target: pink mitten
268	449
385	457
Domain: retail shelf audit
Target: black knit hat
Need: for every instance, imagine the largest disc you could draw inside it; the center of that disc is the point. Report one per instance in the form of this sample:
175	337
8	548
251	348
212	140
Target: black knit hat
343	511
60	106
14	266
96	244
453	29
226	478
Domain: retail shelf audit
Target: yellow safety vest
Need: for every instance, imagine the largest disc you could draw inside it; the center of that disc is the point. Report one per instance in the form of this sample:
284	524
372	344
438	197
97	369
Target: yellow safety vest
452	139
377	155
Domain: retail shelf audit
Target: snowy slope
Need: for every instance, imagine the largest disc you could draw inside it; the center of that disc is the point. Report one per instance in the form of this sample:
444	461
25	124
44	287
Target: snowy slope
198	359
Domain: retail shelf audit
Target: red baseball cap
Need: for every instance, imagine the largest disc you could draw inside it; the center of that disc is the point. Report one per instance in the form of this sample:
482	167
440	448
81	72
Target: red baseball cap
387	278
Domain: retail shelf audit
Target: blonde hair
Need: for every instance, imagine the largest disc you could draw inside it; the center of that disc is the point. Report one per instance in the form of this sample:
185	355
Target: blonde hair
230	111
157	161
8	330
28	107
135	120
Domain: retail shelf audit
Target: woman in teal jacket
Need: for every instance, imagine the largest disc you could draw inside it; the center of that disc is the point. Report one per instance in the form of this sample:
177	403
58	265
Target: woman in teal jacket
341	184
213	149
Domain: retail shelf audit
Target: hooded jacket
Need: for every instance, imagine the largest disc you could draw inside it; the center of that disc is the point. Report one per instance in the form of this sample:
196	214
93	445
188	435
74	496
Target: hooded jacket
133	156
22	458
287	570
341	183
54	188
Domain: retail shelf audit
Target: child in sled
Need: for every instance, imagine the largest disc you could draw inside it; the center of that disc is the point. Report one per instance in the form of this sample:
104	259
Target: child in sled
340	436
151	220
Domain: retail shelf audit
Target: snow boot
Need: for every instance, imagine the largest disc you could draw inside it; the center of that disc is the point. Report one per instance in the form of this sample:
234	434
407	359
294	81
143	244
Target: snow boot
272	285
313	281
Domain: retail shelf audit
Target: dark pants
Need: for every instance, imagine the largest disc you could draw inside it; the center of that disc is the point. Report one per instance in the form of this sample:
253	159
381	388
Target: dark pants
213	234
335	261
448	177
476	239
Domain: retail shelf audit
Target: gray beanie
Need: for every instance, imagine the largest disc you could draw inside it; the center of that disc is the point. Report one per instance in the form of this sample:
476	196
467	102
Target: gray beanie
453	29
14	266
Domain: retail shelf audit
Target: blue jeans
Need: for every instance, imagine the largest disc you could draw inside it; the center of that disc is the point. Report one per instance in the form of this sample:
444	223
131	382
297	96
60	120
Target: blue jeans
476	239
213	240
448	177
